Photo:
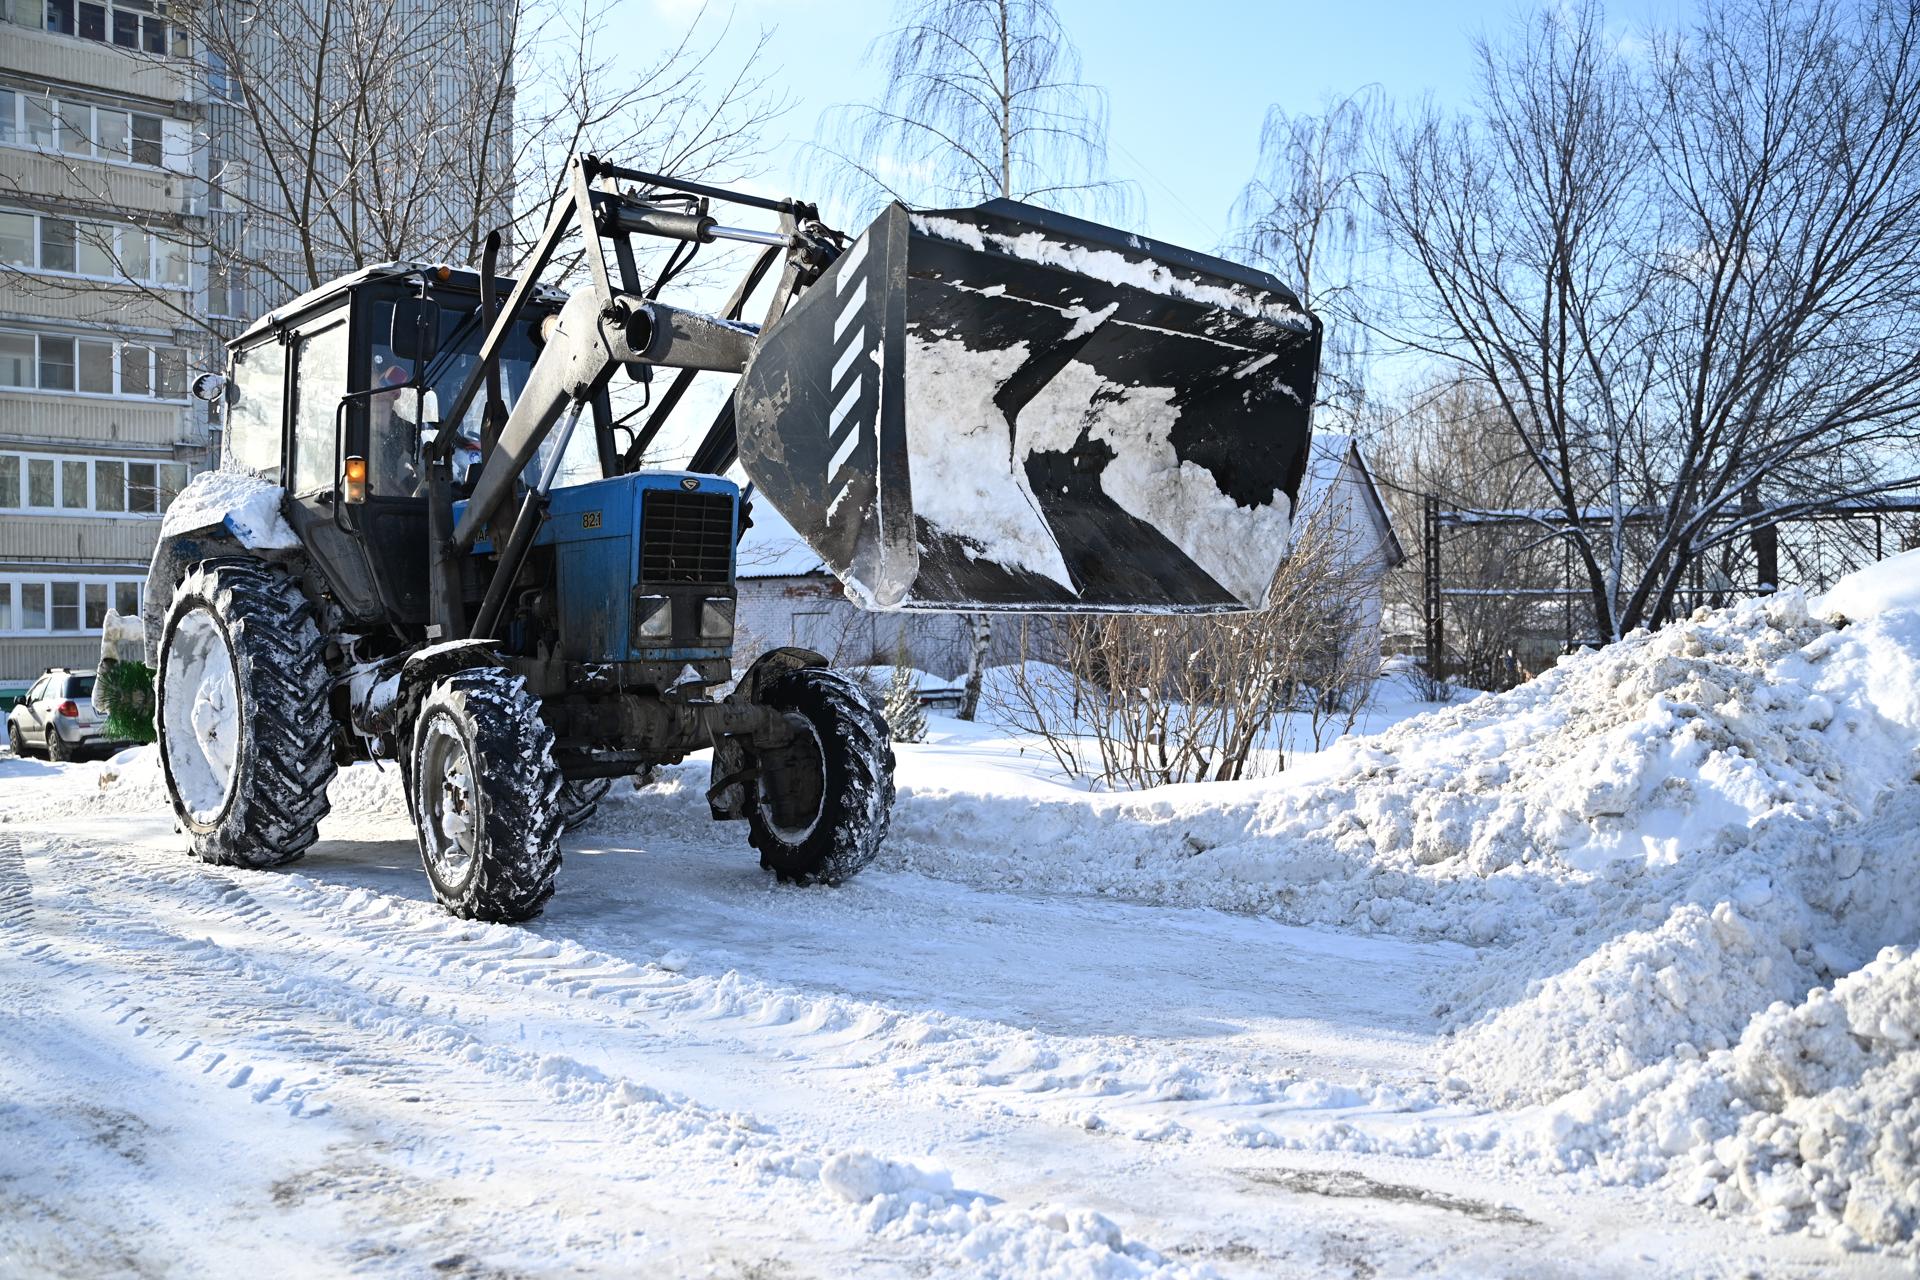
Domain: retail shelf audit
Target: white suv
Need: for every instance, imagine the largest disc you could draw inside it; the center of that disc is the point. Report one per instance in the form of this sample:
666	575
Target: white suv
57	717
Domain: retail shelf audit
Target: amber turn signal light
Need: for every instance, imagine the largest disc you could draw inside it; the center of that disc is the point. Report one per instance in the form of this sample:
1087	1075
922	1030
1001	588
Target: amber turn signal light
356	485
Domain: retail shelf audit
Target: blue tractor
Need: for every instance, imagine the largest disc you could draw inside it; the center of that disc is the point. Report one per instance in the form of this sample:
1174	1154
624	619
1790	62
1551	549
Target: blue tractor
432	542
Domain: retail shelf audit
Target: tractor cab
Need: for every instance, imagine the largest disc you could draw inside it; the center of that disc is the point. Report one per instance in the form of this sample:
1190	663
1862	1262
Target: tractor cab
336	395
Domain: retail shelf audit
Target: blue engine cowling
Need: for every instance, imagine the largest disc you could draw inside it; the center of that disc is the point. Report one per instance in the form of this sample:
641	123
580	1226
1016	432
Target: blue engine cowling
642	567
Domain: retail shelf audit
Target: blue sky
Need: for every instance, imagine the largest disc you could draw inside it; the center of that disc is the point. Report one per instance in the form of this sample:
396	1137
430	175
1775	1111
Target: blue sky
1188	84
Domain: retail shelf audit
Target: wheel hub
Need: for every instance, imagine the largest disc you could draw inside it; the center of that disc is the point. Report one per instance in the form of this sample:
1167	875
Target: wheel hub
448	803
200	714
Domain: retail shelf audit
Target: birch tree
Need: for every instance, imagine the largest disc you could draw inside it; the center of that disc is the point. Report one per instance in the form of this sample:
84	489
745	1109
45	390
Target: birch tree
984	99
1305	217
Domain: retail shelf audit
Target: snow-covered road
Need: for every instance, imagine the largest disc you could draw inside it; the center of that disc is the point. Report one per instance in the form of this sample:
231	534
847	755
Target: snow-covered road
683	1068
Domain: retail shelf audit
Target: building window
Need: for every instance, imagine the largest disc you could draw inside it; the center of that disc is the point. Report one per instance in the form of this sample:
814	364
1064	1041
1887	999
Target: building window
131	24
56	245
146	141
17	356
40	486
91	366
109	485
80	128
106	486
25	13
220	82
73	484
56	363
97	250
16	239
65	605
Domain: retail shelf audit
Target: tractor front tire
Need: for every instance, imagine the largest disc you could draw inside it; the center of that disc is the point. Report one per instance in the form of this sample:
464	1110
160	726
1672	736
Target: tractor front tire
486	796
246	739
820	808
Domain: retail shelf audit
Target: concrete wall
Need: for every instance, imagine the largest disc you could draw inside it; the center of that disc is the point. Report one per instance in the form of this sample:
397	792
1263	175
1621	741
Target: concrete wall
813	612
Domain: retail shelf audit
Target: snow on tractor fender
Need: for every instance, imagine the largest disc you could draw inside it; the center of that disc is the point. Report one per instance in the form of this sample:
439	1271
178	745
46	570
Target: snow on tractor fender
218	513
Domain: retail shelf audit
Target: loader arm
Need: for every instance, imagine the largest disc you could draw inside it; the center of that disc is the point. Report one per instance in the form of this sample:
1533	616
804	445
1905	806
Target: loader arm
993	408
600	329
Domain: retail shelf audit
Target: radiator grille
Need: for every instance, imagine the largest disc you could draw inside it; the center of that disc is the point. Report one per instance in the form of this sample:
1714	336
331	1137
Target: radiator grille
686	537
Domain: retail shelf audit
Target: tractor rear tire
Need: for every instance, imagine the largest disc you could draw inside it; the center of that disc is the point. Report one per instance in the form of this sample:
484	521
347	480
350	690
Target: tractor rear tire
486	796
579	798
240	696
830	825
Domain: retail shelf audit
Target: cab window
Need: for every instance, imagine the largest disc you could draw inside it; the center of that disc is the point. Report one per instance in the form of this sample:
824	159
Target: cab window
259	391
394	409
320	356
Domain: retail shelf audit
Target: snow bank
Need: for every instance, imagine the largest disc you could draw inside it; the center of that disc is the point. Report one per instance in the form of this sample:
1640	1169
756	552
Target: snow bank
1887	587
1690	860
1680	854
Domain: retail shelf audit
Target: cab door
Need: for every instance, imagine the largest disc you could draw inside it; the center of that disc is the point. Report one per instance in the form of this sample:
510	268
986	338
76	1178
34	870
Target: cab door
320	418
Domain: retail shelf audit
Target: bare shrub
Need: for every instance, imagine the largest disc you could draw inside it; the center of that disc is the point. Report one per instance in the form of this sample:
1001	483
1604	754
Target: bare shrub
1145	701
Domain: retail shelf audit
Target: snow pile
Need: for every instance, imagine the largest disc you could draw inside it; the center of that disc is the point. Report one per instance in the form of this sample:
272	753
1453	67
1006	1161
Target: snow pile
1664	847
248	507
1887	587
1811	1120
1623	782
897	1199
132	782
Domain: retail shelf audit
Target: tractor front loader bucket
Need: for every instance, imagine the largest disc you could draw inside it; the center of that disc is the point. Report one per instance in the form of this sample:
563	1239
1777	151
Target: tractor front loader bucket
1004	408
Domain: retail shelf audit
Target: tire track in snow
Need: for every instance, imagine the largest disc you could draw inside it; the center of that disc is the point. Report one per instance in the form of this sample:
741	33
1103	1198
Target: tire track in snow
268	1013
16	890
1083	1082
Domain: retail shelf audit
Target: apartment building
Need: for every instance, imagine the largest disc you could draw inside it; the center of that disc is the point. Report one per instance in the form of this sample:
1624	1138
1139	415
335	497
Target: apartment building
139	226
102	202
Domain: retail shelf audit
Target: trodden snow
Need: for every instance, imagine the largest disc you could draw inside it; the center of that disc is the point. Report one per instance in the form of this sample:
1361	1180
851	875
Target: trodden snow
1614	974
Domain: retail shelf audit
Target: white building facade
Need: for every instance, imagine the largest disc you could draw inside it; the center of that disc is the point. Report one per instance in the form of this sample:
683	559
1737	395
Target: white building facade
101	205
133	196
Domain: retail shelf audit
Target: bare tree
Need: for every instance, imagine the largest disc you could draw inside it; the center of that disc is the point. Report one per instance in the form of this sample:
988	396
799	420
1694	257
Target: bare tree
1138	702
1306	218
1452	443
983	99
1141	702
1689	282
339	133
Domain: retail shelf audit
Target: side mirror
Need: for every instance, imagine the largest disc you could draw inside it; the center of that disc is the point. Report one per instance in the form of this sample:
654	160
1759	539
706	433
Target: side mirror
209	387
416	329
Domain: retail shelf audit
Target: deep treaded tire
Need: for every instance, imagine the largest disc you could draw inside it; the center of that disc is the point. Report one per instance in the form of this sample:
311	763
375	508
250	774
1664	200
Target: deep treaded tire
855	756
486	796
246	740
579	798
